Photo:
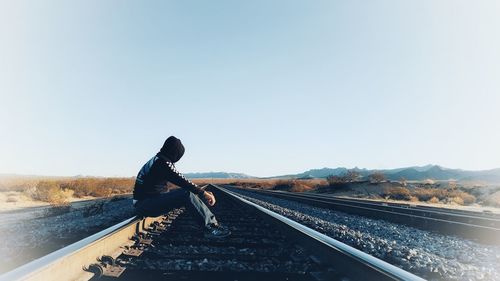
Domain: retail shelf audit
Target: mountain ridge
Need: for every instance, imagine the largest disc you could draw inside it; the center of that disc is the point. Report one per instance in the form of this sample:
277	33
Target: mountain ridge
430	171
434	172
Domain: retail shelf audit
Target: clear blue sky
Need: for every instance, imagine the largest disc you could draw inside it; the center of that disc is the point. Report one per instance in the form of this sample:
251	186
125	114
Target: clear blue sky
261	87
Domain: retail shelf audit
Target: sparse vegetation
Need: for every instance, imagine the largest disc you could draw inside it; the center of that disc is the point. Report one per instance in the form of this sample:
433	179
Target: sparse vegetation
430	195
293	185
97	187
51	192
433	200
413	192
59	191
397	193
377	177
342	180
420	192
351	176
336	180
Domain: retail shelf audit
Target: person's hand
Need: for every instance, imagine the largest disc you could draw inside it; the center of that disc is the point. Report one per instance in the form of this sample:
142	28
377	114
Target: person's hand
209	196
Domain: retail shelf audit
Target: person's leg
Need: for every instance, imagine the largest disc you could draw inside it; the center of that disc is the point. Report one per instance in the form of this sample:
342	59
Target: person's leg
162	203
165	202
202	209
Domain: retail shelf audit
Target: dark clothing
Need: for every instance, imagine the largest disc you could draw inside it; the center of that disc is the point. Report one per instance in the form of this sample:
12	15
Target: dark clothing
165	202
153	178
159	170
154	175
172	149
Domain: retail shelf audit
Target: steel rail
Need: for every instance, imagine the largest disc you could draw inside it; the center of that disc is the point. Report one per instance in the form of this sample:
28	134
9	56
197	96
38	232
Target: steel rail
444	224
350	260
68	263
479	218
476	214
414	211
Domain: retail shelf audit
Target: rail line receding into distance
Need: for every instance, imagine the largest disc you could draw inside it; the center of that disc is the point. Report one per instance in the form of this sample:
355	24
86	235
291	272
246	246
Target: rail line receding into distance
484	228
264	245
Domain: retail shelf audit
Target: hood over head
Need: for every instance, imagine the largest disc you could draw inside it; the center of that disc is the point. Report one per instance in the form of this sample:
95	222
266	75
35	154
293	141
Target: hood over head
172	149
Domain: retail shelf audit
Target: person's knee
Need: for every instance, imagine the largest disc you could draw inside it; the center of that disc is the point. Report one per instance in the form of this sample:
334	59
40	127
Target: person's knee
177	194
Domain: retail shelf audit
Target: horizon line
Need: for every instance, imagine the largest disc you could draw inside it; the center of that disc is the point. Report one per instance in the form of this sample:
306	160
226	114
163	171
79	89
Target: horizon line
251	176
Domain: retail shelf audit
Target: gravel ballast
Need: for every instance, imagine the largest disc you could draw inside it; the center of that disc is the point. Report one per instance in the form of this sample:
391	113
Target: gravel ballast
430	255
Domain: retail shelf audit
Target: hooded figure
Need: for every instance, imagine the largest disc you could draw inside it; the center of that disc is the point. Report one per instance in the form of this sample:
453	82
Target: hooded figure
152	179
160	169
172	149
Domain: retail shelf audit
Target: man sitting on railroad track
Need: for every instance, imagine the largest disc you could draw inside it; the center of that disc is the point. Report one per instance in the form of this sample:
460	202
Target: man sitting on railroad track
150	201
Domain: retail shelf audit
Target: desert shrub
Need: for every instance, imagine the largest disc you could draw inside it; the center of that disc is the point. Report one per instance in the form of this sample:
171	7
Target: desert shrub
457	200
335	180
300	186
397	193
285	185
467	198
97	187
435	195
424	194
342	181
351	175
377	177
292	185
102	192
30	192
51	192
414	199
434	200
336	183
80	187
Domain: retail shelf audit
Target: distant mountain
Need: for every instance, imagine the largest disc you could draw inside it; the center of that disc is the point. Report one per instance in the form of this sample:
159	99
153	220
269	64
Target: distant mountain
317	173
217	175
434	172
429	172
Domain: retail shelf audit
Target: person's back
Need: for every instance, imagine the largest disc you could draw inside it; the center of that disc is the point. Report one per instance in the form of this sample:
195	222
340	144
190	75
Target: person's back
149	200
160	170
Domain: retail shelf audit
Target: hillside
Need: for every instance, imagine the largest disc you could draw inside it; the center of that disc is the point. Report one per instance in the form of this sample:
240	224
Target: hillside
434	172
415	173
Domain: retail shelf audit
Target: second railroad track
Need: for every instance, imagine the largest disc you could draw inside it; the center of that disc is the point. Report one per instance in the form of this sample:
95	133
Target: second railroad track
484	228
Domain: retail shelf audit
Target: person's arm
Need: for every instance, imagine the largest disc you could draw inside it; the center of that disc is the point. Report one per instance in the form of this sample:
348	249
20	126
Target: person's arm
178	179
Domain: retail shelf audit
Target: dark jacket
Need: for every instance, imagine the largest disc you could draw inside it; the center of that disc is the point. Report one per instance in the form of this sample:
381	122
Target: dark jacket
160	169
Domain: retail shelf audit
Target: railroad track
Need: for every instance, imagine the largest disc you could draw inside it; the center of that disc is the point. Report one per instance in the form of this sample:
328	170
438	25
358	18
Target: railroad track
480	227
263	245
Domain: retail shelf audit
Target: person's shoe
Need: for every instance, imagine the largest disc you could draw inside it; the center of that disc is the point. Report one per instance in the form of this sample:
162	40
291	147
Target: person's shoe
216	231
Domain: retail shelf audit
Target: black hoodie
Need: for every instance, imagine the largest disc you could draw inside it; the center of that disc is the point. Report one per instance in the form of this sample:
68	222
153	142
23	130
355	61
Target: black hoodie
160	169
